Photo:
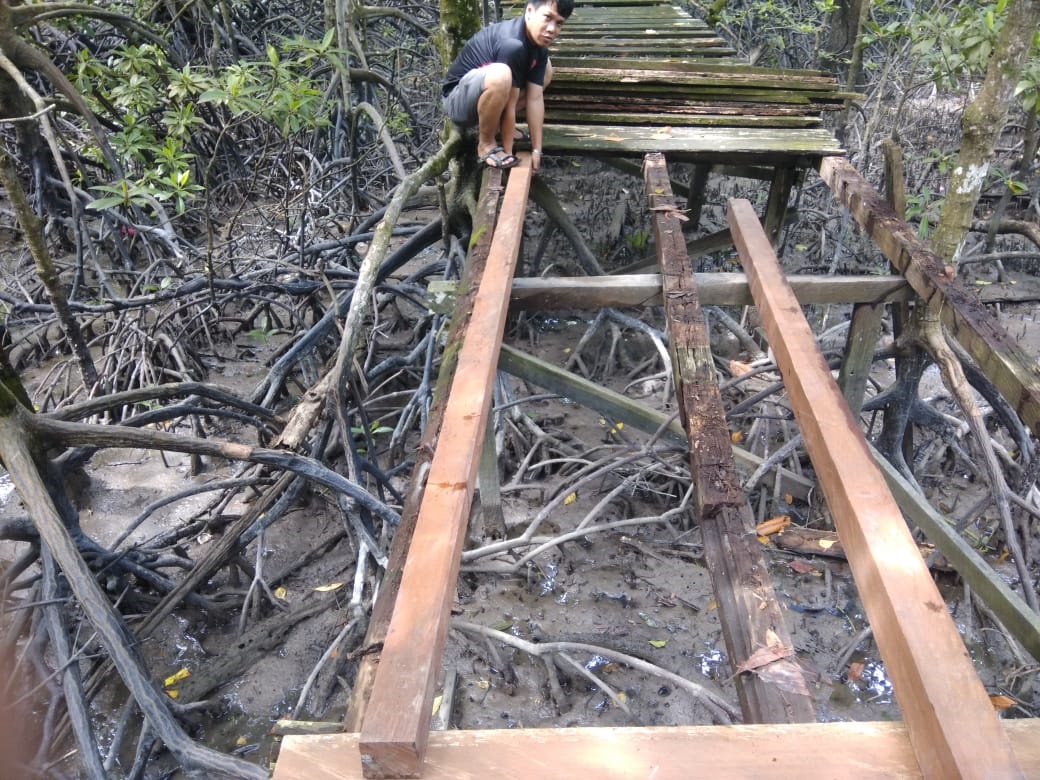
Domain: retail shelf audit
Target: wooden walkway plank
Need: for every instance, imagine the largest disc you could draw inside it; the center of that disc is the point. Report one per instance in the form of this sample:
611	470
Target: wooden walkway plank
953	728
749	612
712	144
1007	366
818	751
396	725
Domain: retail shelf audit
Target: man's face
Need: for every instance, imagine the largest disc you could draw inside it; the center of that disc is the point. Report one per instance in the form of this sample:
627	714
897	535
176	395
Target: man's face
543	23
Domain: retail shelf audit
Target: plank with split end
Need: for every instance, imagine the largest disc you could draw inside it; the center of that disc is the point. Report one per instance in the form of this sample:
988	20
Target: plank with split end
750	614
396	724
1015	374
953	728
817	751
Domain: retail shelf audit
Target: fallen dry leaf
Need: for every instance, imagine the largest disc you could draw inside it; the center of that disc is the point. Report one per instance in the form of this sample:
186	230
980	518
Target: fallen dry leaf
737	368
773	525
1001	703
855	671
801	567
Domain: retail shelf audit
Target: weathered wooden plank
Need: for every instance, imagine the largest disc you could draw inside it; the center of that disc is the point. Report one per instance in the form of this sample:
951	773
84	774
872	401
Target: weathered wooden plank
714	289
396	725
1007	366
594	112
749	612
680	64
382	610
694	143
818	751
702	77
952	725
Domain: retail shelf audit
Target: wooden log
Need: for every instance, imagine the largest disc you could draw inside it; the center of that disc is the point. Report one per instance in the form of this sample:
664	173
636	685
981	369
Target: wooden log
751	616
818	751
952	725
382	610
396	726
1007	366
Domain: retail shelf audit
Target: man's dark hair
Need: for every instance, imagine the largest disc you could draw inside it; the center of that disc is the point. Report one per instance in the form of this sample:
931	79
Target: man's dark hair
563	7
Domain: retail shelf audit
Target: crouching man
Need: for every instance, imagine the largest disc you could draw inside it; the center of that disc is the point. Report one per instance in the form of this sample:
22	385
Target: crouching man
499	66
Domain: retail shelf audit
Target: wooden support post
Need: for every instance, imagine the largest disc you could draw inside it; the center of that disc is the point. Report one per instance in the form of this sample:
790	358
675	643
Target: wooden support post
864	332
1015	374
695	200
752	619
396	725
953	728
779	193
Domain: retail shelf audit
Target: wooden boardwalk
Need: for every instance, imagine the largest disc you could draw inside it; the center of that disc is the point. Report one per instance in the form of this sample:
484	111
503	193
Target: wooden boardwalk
642	80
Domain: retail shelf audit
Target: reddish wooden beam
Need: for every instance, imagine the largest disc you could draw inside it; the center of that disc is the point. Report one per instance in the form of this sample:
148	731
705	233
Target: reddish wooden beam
396	725
1005	363
953	728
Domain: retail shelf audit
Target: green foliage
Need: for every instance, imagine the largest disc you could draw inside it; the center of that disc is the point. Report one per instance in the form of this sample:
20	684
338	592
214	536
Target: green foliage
162	108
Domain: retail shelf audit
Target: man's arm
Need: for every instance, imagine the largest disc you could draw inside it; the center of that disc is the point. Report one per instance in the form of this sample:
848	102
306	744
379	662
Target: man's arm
535	109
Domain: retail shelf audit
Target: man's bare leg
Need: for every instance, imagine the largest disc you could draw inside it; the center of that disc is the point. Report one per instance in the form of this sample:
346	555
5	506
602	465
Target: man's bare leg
493	103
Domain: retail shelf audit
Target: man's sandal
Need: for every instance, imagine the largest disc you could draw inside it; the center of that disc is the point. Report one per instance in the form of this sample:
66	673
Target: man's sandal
497	157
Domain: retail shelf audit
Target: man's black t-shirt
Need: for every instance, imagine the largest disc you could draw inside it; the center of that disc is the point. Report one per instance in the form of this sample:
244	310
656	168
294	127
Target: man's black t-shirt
501	42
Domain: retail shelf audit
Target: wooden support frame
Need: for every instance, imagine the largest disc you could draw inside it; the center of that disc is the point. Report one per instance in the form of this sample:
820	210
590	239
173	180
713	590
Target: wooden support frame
952	726
1006	365
396	724
751	617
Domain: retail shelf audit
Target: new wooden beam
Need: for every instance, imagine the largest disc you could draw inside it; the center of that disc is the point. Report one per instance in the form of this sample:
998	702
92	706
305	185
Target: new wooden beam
396	725
817	751
1005	363
464	295
749	612
953	728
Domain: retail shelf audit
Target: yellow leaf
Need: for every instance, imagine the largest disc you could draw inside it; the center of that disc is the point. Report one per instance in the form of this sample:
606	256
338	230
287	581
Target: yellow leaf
571	498
622	697
173	694
736	437
826	544
1001	703
620	426
712	605
483	684
176	677
330	587
773	525
788	498
279	592
241	741
658	642
437	703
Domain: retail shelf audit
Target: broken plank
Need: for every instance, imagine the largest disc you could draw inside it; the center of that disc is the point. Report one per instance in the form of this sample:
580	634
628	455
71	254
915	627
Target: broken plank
1007	366
749	612
396	724
817	751
952	725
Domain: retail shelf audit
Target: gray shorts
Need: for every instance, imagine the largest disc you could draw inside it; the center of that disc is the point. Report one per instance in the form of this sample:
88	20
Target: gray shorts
461	103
